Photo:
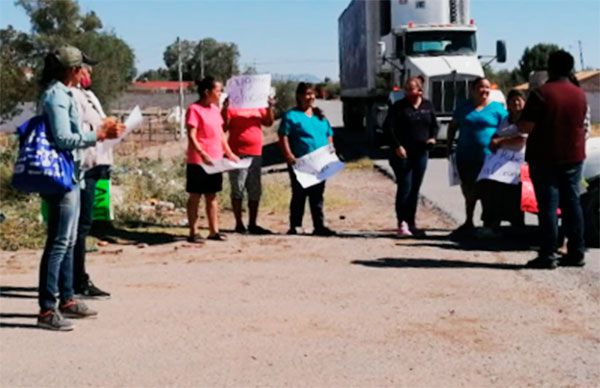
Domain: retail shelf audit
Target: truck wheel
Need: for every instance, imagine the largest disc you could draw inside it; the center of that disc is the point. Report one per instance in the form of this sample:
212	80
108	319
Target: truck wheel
590	206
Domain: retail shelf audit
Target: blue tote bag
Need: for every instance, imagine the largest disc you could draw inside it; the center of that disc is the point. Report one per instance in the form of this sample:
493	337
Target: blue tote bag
40	166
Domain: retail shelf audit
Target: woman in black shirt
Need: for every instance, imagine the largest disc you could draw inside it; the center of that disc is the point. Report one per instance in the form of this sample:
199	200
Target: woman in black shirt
413	128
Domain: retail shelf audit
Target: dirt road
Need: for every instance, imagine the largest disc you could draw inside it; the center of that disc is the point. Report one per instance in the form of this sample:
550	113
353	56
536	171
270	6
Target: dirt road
362	309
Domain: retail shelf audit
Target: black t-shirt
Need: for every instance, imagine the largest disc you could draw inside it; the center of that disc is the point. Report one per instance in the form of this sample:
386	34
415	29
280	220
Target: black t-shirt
411	127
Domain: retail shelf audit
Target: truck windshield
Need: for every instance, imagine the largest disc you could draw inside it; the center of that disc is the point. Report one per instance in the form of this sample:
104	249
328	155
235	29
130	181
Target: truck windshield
441	43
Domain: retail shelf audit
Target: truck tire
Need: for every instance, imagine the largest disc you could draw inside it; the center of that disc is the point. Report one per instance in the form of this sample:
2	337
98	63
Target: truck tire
590	206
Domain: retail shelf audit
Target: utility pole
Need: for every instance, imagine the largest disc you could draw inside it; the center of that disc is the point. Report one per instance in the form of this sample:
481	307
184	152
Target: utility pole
201	61
181	111
581	56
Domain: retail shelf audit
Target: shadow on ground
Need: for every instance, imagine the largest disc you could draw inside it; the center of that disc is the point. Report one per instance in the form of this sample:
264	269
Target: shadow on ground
387	262
18	292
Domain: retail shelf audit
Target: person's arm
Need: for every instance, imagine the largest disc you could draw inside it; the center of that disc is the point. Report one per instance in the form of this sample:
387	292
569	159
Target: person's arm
532	110
269	117
227	150
56	107
192	133
225	115
284	145
452	129
395	123
434	128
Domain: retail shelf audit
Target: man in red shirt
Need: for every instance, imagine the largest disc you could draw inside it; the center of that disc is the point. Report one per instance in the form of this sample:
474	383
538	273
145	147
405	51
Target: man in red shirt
246	140
554	117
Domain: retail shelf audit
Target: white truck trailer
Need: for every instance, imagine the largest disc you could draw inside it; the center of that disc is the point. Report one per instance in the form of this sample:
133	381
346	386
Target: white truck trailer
383	42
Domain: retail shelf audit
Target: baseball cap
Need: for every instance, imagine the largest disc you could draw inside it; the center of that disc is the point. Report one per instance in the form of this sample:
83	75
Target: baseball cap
88	60
69	56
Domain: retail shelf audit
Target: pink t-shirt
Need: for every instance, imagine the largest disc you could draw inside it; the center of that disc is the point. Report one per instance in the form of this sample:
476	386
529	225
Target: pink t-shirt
245	131
209	125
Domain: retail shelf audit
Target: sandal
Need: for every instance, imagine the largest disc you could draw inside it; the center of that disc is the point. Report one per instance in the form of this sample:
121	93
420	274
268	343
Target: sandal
196	239
217	237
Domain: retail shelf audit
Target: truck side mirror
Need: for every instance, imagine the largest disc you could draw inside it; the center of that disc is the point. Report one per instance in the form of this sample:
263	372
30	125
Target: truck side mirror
381	50
500	51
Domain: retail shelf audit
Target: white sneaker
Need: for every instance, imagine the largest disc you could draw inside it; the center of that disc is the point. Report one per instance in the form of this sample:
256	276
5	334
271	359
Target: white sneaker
403	230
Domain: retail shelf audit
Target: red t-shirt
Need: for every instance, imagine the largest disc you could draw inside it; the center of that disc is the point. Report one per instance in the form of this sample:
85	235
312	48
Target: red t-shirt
245	130
209	125
558	110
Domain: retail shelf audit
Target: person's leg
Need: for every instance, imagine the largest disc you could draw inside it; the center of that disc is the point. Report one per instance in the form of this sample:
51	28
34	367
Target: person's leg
572	214
545	184
315	200
80	276
297	202
192	213
237	179
418	167
403	176
212	213
63	211
254	188
468	171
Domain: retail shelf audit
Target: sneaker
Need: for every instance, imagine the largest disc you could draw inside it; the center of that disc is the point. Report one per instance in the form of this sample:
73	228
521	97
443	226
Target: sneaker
324	232
541	263
416	231
241	229
76	309
294	231
258	230
567	261
403	230
53	320
93	292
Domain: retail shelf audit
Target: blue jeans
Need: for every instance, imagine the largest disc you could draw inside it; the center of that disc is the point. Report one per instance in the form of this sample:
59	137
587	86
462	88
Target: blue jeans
409	176
559	186
56	268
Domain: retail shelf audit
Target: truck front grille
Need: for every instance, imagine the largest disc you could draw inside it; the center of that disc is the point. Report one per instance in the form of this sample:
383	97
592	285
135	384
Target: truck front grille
446	95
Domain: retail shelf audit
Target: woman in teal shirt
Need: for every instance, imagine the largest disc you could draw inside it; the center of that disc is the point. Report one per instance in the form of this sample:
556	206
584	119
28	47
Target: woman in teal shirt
303	130
62	70
476	121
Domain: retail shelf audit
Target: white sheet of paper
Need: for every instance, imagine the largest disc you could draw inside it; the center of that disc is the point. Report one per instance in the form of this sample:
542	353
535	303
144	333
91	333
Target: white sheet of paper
453	177
225	164
249	91
503	166
133	121
317	166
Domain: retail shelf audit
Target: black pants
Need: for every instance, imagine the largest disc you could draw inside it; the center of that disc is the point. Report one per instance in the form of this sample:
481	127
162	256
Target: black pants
502	202
92	176
315	199
409	174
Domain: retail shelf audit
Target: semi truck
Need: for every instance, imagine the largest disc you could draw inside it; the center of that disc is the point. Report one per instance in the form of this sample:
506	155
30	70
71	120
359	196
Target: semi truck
383	42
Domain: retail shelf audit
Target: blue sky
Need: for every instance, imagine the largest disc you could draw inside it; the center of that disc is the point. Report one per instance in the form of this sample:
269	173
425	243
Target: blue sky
300	36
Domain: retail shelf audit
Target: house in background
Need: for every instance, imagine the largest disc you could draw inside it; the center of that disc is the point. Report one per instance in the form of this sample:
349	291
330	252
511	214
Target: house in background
590	83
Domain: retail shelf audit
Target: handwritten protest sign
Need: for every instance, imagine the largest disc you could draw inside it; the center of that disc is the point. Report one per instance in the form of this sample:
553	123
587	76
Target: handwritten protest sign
317	166
225	164
504	166
249	91
134	121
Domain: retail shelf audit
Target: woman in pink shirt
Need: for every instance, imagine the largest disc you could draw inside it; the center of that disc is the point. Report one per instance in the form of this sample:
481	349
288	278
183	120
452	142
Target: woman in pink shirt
206	143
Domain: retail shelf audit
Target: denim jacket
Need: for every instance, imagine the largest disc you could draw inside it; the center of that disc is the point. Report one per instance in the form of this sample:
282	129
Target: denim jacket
58	103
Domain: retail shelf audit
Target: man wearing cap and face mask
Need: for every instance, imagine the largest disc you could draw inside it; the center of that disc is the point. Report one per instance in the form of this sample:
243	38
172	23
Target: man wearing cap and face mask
95	165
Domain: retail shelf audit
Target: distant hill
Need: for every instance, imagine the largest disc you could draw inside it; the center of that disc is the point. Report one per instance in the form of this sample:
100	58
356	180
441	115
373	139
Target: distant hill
296	77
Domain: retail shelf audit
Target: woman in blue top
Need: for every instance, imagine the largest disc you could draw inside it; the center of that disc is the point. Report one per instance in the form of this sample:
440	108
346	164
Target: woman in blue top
477	120
62	70
304	129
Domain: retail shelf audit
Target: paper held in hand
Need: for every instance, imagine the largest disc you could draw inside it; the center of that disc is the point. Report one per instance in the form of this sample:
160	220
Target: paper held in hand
503	166
225	164
317	166
249	91
134	121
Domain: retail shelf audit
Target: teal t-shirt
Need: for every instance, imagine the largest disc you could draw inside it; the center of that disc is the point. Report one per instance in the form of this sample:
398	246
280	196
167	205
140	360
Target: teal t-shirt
305	134
476	129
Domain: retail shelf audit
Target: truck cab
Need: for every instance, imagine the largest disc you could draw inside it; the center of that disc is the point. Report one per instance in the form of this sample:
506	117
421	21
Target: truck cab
399	39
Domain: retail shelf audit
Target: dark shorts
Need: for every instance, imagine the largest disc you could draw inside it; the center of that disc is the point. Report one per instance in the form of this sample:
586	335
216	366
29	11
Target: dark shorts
199	182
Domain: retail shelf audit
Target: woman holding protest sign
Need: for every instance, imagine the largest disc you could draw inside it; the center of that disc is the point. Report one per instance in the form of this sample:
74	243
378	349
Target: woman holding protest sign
63	70
412	128
244	126
476	121
503	200
206	144
304	129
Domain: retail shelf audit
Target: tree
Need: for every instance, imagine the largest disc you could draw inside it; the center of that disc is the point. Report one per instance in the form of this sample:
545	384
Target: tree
505	79
54	23
206	57
535	58
285	96
160	74
15	87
